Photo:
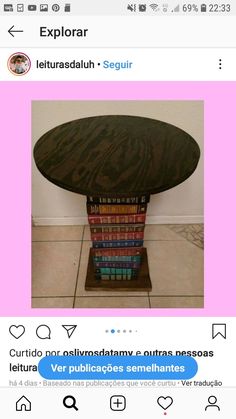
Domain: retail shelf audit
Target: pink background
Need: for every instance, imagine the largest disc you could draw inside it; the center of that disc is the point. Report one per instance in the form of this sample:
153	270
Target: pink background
220	179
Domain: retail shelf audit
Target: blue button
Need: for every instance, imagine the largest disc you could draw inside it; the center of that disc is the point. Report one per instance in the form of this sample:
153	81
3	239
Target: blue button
117	367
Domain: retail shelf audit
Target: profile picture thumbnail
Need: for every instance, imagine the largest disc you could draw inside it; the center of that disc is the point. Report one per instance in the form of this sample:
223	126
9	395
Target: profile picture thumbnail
19	64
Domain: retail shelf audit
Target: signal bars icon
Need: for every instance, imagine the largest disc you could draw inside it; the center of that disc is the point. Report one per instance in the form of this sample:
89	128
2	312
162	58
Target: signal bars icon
176	9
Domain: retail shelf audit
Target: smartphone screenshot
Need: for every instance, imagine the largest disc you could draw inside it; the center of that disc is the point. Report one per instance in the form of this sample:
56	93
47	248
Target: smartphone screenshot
117	289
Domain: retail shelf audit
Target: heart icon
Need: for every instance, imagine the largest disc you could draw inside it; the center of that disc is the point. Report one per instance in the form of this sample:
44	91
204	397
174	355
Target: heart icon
165	402
17	331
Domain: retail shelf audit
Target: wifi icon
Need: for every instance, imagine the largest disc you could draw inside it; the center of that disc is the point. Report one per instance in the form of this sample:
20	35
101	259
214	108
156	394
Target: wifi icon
154	6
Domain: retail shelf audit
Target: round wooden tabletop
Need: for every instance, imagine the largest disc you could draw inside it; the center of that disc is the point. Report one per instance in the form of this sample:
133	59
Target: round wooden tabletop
116	155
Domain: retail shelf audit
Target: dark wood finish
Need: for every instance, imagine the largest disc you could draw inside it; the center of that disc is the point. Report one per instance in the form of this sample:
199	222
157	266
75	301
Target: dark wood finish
140	283
116	155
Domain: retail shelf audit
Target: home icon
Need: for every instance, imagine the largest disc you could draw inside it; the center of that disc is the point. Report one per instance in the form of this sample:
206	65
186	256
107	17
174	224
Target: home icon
23	404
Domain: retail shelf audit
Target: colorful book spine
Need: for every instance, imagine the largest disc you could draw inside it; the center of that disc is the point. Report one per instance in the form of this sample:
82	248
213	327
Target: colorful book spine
114	244
143	199
138	235
117	228
117	232
117	252
116	271
116	259
115	277
100	209
117	219
121	264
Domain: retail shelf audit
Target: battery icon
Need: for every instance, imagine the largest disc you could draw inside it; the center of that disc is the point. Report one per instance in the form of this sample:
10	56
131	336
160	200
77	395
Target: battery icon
203	8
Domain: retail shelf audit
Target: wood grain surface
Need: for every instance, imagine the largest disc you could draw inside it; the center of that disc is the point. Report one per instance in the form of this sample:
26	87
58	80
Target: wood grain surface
116	155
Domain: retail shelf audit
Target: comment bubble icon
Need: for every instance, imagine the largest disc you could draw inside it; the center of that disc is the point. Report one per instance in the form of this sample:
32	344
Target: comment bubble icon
43	332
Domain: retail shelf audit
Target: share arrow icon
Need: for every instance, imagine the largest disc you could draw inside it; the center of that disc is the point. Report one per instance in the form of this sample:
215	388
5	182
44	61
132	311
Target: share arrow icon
70	328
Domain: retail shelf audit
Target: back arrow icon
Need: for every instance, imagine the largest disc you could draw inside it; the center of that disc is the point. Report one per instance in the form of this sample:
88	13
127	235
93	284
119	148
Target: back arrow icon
11	31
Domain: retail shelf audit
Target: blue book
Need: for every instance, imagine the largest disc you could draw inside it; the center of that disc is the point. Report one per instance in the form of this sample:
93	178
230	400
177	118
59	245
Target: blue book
115	259
116	244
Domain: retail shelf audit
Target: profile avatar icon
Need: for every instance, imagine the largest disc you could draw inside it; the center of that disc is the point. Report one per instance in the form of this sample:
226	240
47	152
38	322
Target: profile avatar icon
19	64
212	402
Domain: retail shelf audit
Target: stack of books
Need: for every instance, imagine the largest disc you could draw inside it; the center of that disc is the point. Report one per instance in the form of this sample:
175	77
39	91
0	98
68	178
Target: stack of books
117	232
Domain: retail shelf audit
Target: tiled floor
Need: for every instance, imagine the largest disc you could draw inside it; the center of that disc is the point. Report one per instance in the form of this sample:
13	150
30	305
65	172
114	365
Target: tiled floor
191	232
59	265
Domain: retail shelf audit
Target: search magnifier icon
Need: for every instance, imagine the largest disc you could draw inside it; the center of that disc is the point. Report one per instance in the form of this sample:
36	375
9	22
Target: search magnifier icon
70	402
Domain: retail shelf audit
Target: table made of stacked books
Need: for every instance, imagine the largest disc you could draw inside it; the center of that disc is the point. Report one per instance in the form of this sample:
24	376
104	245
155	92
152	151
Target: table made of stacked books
117	258
117	161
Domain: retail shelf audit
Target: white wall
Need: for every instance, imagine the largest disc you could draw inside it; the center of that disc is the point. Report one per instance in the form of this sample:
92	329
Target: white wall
52	205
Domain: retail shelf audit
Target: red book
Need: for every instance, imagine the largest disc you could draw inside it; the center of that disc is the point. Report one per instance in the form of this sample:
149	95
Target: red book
117	228
117	219
127	251
117	236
